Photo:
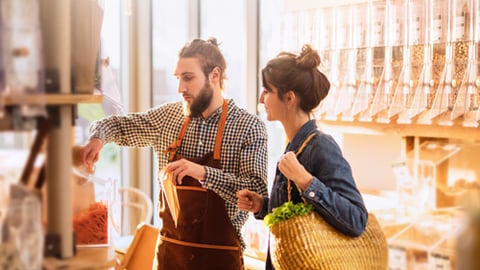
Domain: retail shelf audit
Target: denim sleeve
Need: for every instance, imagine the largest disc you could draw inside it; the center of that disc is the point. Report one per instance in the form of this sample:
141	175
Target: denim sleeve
264	210
333	192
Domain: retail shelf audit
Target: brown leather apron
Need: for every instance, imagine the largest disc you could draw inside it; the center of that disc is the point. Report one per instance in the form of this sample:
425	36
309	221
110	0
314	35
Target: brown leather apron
204	237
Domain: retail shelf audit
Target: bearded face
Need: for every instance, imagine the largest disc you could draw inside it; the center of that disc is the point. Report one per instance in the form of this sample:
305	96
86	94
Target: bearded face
201	101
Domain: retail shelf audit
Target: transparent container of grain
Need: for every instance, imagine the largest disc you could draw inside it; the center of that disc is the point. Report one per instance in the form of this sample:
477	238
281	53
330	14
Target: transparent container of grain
415	84
92	198
396	52
375	55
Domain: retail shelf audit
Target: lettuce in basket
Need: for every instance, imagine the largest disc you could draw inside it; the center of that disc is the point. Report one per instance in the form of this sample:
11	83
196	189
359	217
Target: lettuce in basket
286	211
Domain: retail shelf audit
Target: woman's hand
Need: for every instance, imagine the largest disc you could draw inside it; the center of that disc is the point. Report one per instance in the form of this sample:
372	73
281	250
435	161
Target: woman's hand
249	201
293	170
182	167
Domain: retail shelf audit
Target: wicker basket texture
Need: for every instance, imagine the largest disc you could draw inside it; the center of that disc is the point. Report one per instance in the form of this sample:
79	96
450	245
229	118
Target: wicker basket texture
308	242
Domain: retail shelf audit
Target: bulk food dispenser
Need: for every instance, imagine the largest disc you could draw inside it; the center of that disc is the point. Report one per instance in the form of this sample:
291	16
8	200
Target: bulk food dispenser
395	50
442	70
412	57
346	22
458	51
330	58
411	95
376	35
469	95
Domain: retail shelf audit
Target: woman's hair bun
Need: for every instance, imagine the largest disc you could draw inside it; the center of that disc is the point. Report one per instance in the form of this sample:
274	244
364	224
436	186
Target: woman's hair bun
213	41
308	58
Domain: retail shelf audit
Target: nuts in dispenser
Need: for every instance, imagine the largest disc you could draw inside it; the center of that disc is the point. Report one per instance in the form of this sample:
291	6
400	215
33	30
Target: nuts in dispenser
91	209
91	226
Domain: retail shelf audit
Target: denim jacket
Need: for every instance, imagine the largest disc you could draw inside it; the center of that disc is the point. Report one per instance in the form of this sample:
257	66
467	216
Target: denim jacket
332	192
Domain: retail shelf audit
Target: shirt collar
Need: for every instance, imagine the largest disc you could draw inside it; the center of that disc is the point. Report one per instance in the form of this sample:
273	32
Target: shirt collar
216	115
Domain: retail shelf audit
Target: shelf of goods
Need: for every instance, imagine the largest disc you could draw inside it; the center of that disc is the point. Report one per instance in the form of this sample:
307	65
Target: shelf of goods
52	72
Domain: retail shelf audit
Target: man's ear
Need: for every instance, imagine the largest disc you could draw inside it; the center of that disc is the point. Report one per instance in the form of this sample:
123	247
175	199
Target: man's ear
215	74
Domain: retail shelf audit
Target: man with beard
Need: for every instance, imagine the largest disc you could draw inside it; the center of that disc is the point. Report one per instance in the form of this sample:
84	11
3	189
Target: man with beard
209	148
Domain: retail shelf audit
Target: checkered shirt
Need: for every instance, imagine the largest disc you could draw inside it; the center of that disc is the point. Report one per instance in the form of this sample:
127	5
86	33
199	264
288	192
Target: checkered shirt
243	152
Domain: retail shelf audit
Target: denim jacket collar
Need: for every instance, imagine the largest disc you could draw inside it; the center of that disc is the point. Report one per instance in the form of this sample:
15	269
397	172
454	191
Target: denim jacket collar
301	135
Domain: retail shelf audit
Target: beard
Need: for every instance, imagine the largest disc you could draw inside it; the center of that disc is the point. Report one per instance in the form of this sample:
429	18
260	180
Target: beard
201	101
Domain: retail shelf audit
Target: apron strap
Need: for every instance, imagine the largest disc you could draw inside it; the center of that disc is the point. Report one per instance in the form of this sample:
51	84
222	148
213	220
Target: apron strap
220	128
172	149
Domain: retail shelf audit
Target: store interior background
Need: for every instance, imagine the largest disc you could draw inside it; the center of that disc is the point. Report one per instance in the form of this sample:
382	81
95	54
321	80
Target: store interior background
141	39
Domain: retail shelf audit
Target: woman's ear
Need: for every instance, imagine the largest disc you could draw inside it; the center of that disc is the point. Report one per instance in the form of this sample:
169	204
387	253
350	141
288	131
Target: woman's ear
290	97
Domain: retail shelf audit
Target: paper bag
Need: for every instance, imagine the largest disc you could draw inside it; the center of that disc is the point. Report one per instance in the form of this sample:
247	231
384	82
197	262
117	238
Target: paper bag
170	192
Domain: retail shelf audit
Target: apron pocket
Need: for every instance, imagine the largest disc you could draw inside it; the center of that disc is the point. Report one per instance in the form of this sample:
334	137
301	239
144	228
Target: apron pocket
186	255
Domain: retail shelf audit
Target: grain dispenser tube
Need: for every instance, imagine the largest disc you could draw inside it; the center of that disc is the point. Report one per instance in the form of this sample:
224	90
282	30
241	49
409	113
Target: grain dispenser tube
362	56
471	91
413	60
396	55
332	62
461	44
376	35
420	57
443	62
348	56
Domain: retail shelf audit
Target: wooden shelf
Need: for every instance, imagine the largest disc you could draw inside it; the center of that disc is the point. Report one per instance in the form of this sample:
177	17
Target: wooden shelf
53	99
456	131
86	258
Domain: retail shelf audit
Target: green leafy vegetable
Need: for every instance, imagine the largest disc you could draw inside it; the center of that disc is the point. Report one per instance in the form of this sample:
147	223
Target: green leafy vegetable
286	211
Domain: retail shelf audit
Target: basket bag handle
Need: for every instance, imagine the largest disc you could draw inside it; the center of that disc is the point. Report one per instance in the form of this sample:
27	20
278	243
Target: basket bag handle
297	153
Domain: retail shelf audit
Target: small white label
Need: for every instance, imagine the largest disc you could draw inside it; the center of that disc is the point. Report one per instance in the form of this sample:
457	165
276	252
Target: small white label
415	30
438	262
460	27
397	258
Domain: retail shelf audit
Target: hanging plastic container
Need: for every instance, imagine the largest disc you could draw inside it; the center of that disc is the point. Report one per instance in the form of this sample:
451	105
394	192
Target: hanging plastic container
358	60
92	198
346	21
374	66
415	89
460	44
320	41
413	62
471	91
330	63
442	65
394	58
22	52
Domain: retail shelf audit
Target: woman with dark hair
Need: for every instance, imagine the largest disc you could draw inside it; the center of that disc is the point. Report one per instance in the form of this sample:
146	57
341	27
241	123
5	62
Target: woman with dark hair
292	88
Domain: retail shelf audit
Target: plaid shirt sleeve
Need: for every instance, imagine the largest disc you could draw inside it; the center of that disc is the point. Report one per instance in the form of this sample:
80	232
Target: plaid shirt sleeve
252	172
132	130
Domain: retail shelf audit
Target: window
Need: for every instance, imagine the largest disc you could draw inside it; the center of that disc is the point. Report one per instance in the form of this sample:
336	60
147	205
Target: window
109	164
231	37
170	31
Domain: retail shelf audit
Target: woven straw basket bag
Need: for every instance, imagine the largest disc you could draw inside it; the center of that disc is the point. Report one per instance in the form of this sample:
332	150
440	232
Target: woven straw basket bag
309	242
